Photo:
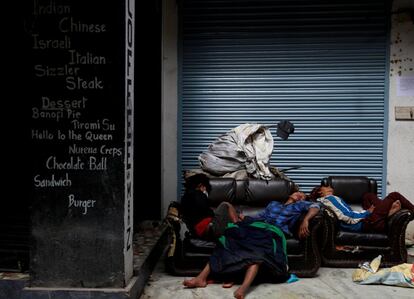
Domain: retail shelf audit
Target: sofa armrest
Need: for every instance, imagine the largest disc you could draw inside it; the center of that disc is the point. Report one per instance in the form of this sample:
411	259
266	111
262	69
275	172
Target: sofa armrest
314	223
397	225
317	220
330	227
398	222
330	217
309	263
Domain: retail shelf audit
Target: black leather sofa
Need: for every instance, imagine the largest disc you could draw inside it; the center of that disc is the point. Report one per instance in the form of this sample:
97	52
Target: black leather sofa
348	249
187	255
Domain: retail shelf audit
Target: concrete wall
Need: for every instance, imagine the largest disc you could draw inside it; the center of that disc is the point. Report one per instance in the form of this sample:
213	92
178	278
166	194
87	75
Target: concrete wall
400	160
400	164
169	105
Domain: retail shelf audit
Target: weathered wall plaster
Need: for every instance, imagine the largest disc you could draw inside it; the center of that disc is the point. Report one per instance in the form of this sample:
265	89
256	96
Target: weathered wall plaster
400	164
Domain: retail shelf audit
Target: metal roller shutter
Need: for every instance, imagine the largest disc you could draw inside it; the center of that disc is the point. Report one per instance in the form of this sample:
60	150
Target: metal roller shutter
320	64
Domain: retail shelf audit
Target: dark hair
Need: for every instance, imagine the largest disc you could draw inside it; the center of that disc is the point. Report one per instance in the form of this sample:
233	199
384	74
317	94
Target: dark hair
193	181
314	194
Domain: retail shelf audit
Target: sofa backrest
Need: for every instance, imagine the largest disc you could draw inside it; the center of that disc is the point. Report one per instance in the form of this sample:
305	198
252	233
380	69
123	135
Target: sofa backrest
249	192
222	189
351	188
259	192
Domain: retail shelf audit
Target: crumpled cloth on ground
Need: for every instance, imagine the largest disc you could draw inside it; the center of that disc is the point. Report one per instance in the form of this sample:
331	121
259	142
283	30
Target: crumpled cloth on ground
400	275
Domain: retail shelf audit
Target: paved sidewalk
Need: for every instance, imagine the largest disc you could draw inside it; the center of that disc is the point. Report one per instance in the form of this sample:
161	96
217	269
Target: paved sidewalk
329	283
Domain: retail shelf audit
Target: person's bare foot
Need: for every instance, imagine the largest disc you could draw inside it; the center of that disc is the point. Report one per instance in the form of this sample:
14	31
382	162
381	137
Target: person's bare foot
395	207
239	293
195	283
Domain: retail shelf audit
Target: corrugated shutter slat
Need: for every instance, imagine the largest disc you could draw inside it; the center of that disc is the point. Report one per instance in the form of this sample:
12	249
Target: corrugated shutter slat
320	64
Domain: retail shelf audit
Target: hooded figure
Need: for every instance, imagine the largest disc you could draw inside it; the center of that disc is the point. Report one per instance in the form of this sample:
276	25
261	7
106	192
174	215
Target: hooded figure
248	146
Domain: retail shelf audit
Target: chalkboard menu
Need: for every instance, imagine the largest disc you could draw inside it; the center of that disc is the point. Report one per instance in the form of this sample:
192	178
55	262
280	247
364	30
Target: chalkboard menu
81	96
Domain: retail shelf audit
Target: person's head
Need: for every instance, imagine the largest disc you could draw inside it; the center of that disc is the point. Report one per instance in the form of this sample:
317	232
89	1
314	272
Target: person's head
198	181
320	191
296	196
326	190
284	128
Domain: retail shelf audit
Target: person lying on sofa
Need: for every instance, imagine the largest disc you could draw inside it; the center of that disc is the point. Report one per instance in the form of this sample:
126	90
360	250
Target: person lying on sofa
200	218
285	215
374	216
248	250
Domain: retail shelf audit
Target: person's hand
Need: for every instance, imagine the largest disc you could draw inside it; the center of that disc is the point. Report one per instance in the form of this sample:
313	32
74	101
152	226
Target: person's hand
304	229
297	196
371	208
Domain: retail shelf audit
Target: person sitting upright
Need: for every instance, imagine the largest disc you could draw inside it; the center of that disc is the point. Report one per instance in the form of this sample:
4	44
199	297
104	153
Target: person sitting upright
200	218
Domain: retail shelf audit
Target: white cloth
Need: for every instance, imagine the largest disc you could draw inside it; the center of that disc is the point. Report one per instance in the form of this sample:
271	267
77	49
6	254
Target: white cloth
401	275
248	146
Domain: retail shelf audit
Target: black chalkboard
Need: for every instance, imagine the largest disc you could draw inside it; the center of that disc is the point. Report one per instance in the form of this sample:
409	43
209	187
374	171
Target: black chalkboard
80	146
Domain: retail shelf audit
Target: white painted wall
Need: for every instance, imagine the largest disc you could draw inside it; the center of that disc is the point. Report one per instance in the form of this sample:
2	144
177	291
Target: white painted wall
400	153
400	164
